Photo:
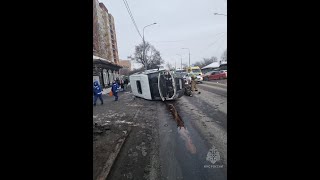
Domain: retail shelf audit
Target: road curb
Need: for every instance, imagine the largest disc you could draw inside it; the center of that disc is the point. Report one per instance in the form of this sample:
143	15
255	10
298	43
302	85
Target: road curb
114	155
112	158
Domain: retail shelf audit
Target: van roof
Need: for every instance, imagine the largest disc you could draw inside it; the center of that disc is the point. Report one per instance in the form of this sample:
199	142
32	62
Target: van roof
195	67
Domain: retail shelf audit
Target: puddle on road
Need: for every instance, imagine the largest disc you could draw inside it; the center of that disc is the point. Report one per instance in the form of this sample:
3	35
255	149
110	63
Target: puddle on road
184	133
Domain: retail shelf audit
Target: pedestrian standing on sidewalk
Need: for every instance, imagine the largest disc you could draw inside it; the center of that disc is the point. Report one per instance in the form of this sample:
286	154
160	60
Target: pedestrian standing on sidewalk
97	92
114	90
126	82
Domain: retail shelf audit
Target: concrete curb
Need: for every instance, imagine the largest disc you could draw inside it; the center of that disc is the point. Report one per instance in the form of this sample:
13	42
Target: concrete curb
114	155
112	158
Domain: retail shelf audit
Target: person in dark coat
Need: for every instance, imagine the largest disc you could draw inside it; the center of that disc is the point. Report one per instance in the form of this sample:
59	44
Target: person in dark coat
126	82
97	92
118	81
114	90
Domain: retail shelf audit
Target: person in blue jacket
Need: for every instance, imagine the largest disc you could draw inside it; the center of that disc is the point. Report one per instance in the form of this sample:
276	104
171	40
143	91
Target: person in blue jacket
97	92
114	89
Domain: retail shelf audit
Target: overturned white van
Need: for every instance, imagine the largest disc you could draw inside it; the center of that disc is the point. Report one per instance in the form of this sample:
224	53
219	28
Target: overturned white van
157	85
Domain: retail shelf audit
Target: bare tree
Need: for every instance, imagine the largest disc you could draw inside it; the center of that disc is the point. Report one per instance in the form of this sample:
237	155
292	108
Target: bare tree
198	63
136	70
152	56
206	61
170	66
184	66
124	71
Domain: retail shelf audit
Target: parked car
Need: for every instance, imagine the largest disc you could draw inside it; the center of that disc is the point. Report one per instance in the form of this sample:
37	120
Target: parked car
224	72
214	75
188	78
207	74
199	78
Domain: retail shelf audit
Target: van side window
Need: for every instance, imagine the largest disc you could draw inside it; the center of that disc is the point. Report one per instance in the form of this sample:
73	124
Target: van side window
139	87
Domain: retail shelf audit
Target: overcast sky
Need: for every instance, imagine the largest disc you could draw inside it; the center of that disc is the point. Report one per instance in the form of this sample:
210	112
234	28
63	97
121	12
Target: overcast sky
180	24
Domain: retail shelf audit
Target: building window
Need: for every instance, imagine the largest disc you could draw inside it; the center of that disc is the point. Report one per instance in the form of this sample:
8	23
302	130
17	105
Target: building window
110	76
105	77
114	75
139	87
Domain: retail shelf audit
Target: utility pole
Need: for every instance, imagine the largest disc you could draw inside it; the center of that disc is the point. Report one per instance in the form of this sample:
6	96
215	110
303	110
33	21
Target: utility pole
181	60
175	64
144	45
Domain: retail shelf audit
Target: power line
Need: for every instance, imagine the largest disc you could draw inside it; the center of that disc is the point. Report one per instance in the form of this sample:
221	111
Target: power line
215	41
130	13
167	41
218	49
131	16
220	37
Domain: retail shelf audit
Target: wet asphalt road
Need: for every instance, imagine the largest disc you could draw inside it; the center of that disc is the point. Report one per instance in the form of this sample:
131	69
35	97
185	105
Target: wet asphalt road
159	149
220	90
184	151
222	81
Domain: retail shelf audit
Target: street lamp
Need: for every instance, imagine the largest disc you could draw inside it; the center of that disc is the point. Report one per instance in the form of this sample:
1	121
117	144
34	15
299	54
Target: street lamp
189	54
220	14
181	60
144	44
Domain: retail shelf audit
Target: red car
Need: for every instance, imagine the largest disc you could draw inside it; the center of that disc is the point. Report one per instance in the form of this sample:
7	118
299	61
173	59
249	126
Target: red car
214	75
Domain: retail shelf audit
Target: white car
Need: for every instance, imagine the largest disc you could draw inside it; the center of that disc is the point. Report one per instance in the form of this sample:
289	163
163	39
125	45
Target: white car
187	78
199	79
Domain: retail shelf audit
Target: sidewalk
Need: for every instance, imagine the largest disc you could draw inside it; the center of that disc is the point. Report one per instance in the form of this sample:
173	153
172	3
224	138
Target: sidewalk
111	126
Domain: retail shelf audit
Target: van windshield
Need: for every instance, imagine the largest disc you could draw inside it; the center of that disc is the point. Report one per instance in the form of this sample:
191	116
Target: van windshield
196	70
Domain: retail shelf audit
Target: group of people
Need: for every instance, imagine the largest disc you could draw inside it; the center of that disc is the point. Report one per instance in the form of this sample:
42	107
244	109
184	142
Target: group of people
123	84
116	86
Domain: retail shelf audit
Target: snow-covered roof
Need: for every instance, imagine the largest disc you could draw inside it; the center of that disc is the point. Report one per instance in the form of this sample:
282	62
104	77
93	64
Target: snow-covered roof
212	65
150	71
99	58
223	62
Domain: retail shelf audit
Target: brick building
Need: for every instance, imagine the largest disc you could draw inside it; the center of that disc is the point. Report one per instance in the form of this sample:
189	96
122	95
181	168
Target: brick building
105	51
126	67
